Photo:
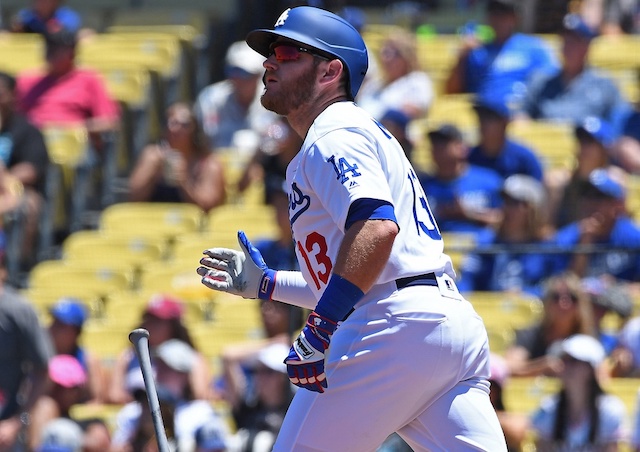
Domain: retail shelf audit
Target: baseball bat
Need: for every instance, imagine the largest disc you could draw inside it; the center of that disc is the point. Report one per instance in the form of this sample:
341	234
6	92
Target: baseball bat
140	340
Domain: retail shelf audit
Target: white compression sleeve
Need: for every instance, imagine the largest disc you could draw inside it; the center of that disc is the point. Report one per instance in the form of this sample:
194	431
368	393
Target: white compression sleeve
291	288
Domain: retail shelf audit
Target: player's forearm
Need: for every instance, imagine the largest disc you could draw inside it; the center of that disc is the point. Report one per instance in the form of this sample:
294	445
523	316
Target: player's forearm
364	252
291	288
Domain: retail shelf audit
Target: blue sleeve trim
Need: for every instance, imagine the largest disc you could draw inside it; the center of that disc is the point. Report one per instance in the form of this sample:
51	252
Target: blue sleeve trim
338	298
369	209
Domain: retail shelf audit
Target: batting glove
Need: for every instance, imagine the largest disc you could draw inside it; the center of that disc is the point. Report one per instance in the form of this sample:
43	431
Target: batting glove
305	362
242	273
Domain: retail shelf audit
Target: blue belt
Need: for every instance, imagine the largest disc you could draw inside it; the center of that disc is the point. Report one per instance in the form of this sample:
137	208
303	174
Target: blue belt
428	279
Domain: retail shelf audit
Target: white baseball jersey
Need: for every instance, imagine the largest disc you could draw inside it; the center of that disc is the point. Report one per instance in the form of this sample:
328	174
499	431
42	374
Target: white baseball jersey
343	161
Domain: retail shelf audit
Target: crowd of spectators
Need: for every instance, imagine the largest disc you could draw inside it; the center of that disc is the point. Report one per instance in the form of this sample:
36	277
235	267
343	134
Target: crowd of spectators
526	221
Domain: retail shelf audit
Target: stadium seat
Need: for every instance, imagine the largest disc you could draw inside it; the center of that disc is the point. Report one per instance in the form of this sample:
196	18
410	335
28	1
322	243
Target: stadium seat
257	221
165	220
456	109
105	340
628	389
524	394
554	143
615	52
505	309
42	298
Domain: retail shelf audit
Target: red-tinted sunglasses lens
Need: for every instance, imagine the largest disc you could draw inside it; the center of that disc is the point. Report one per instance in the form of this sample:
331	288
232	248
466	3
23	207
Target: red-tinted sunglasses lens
286	53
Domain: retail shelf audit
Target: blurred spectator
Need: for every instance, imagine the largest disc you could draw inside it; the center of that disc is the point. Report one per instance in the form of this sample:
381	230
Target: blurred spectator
185	413
595	138
577	90
403	85
61	435
68	317
581	416
621	16
495	150
163	319
626	151
603	223
635	428
464	197
46	16
258	410
233	104
279	144
514	425
24	355
66	94
566	311
522	225
626	357
66	388
501	68
24	154
608	297
397	123
181	168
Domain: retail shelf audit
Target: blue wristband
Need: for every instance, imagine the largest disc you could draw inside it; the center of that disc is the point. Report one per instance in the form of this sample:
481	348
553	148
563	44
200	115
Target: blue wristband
338	298
267	284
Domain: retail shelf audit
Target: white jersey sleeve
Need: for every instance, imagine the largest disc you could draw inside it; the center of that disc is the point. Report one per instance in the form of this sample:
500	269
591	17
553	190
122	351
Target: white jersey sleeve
348	156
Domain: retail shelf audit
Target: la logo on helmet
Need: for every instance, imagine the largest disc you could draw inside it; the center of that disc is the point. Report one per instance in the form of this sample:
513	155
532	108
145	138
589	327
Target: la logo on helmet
282	19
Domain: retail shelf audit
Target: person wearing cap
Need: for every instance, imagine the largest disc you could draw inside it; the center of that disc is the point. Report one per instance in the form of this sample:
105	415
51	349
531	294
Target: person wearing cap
517	267
68	316
594	137
174	361
576	91
61	435
625	358
180	168
163	318
566	310
501	68
67	387
63	93
233	104
603	223
44	16
259	397
464	197
581	415
403	85
495	150
397	123
626	151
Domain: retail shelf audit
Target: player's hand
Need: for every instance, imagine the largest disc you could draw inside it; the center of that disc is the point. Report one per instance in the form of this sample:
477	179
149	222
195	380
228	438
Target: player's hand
305	362
241	273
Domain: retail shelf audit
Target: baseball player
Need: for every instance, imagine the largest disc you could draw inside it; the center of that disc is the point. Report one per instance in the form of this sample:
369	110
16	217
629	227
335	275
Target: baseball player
390	345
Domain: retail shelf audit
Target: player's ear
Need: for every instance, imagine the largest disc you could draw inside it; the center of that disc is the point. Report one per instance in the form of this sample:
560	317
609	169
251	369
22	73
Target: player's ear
332	71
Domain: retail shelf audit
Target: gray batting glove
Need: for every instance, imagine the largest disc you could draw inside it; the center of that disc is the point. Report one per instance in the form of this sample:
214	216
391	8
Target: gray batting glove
242	273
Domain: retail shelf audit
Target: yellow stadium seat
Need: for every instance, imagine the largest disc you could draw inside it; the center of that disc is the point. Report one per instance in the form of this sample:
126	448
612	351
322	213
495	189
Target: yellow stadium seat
628	389
188	248
615	52
125	308
43	298
628	82
524	394
457	245
257	221
104	339
210	340
500	338
439	52
89	411
166	220
505	309
633	196
456	109
554	143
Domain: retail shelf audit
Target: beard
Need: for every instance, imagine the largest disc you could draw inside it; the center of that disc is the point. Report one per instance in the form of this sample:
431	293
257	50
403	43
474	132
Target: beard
301	91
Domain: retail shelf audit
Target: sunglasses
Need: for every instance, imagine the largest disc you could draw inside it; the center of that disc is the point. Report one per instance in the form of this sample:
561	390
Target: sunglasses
285	51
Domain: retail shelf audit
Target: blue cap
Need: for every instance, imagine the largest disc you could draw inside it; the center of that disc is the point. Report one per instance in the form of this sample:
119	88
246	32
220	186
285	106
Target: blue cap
606	185
210	437
70	311
397	117
575	24
598	129
497	107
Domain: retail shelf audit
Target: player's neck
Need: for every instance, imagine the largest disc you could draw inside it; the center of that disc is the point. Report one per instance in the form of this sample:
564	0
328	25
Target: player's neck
301	118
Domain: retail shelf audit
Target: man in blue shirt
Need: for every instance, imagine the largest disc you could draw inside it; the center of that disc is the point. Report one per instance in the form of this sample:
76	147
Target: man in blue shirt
604	224
495	150
576	91
46	16
464	197
501	68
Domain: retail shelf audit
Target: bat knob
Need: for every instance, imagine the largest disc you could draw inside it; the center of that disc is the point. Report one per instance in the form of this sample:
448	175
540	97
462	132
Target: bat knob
138	334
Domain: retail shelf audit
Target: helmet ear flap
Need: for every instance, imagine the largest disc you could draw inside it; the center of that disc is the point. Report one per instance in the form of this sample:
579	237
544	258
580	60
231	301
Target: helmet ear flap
324	31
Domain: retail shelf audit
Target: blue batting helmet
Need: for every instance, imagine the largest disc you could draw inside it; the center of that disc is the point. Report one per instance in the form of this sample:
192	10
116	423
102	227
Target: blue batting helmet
321	30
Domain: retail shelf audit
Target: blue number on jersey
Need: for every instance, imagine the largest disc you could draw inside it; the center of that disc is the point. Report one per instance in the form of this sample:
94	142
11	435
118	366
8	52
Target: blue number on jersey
426	224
